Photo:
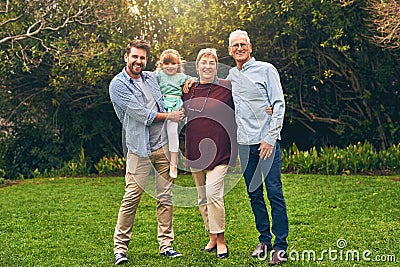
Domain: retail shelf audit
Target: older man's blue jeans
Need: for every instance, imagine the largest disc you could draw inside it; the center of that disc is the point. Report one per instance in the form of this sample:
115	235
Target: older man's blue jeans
254	169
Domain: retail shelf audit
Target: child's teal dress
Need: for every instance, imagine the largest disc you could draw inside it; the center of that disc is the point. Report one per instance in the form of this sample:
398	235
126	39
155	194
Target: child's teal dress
171	89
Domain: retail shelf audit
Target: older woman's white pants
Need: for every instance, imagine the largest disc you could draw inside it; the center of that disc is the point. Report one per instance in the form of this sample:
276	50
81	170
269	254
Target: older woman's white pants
210	190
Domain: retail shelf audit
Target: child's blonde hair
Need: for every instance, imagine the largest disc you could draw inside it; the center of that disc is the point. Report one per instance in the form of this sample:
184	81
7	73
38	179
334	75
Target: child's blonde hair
170	56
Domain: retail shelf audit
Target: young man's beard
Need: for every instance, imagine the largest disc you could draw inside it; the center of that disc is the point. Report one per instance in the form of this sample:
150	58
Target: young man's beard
132	67
135	72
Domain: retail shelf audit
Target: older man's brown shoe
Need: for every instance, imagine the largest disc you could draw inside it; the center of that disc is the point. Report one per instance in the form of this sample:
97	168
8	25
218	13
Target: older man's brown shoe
261	250
278	257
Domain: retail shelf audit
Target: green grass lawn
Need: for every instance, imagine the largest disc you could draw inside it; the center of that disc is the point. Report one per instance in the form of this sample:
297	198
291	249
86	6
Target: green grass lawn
70	222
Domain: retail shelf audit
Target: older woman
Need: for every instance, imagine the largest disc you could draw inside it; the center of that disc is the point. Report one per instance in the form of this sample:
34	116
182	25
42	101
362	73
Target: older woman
210	144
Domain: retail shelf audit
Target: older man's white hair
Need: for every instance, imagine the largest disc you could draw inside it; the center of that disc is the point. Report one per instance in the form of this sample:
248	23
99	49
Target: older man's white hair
238	32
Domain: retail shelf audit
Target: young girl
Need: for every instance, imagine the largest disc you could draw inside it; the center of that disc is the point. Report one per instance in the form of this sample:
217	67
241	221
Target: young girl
171	78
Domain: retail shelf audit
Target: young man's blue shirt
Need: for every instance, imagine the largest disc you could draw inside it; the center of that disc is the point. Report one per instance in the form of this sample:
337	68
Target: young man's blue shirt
129	104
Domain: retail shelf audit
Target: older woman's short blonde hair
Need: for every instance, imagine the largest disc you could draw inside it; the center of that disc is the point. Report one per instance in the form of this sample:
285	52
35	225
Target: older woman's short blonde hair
206	52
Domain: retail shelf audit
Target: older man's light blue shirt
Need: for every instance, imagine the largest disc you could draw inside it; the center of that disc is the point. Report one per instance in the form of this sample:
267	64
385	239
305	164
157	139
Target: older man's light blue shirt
254	88
129	103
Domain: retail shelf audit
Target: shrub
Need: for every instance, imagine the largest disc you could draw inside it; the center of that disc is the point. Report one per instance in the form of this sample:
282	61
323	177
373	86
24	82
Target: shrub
354	159
111	165
73	167
390	159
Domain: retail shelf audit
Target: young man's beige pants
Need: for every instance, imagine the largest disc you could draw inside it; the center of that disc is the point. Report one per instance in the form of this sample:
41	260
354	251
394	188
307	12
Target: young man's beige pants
137	173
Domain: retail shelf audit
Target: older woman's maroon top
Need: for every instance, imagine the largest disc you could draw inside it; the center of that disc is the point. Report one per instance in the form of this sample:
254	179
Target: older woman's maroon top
210	136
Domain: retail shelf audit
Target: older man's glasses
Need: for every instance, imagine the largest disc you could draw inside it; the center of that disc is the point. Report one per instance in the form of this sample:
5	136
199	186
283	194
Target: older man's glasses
237	46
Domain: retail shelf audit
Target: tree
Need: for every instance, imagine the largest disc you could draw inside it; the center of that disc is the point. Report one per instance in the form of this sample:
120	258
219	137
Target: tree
341	87
329	68
56	63
338	83
385	22
43	20
190	25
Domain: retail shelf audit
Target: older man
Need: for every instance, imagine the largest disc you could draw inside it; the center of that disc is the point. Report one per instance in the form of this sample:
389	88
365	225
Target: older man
255	87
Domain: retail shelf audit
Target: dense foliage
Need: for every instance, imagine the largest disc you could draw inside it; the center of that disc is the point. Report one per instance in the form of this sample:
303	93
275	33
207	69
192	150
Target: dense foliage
54	98
56	61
